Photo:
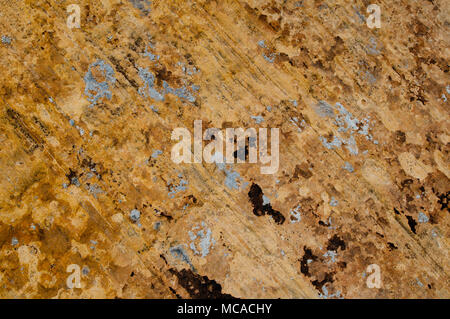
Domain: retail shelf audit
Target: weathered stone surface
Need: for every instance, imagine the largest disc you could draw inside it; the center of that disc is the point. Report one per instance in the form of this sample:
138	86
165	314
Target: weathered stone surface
85	149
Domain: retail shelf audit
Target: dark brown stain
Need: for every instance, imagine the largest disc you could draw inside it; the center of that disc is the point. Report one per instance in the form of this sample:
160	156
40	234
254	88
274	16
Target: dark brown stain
335	242
73	178
412	223
256	198
199	287
304	268
400	137
162	74
443	200
328	278
302	170
391	246
337	49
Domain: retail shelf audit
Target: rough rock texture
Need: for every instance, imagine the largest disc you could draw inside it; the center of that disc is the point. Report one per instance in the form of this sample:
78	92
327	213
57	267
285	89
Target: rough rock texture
87	178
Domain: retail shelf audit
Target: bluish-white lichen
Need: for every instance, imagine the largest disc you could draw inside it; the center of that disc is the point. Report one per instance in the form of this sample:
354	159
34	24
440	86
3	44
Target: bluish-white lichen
332	255
423	218
149	88
85	270
182	186
373	47
135	216
325	294
258	119
94	189
295	215
6	39
201	240
14	241
347	125
150	55
178	252
347	166
270	58
142	5
96	90
156	153
333	202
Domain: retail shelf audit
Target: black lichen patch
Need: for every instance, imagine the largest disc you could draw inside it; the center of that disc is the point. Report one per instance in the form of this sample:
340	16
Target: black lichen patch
94	168
335	242
412	223
259	209
400	137
328	278
392	246
162	214
342	264
199	287
73	178
175	293
304	268
443	200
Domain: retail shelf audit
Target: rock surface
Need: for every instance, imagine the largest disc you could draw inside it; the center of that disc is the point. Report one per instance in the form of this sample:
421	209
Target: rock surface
87	177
